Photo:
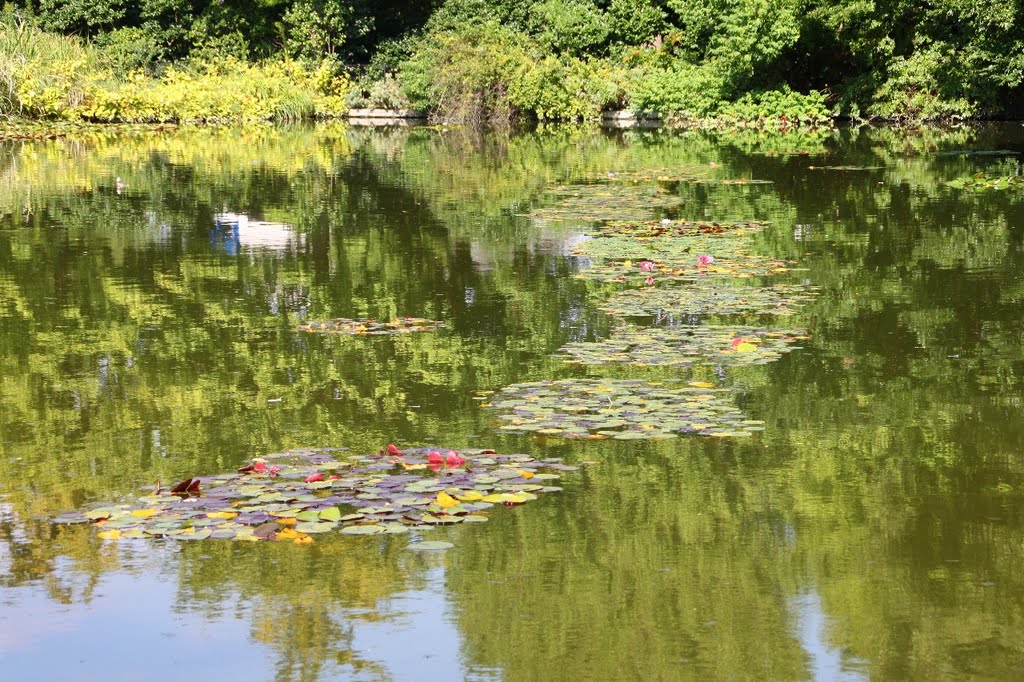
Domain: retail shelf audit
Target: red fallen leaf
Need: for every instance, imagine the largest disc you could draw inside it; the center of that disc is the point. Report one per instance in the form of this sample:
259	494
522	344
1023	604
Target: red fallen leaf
487	452
393	450
260	467
182	486
453	460
318	476
435	457
193	489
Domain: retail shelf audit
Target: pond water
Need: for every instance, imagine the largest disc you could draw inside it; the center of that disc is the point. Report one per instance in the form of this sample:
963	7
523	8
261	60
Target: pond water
150	292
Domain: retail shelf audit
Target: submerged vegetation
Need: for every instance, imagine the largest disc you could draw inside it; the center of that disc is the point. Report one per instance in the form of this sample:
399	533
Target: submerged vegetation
783	63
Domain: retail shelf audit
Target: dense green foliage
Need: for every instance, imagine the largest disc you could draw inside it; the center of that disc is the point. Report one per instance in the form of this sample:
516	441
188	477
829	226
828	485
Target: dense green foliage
476	60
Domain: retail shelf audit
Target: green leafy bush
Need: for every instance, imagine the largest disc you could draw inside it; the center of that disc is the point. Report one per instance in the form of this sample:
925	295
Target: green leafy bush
681	88
782	105
923	86
566	89
465	75
572	27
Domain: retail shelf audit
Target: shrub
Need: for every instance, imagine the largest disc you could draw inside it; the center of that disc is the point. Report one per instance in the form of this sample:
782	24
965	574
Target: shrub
465	75
781	104
566	89
57	77
572	27
923	86
129	49
681	88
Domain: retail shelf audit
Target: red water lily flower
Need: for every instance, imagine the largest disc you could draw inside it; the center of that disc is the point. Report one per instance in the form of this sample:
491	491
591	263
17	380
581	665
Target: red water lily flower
454	460
318	476
435	457
393	450
260	467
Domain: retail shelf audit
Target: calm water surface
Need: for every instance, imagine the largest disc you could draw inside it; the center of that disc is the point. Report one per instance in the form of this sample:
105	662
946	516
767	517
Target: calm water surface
147	332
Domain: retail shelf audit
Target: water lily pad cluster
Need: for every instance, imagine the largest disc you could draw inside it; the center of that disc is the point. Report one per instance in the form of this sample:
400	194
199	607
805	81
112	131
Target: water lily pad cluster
846	168
626	259
368	327
299	494
678	174
707	297
679	274
600	202
981	181
659	174
685	346
666	227
624	409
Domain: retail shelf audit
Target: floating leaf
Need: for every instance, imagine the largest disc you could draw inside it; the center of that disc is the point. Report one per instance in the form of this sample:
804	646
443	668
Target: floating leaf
368	327
373	529
330	514
315	526
446	501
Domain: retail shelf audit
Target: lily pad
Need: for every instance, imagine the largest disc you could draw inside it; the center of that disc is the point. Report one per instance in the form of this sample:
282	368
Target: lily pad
707	298
369	327
286	505
598	202
686	346
643	410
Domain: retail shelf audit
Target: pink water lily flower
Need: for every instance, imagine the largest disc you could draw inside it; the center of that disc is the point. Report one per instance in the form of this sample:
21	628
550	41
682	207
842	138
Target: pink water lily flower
454	460
646	266
705	259
649	281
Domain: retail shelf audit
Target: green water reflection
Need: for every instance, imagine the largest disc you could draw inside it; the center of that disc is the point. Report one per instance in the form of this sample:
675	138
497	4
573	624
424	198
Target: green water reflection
149	290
